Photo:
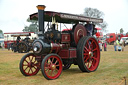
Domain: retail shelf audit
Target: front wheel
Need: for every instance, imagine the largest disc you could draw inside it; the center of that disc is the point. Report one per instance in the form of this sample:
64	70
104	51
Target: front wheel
88	54
51	66
29	65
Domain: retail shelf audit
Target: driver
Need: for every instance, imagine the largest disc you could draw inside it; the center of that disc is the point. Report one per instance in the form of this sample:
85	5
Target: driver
89	28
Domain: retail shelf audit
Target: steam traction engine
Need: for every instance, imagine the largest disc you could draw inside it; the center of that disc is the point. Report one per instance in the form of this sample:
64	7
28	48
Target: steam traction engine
55	50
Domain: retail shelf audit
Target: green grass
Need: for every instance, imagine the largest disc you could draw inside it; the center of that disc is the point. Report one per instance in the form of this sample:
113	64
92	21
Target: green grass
112	68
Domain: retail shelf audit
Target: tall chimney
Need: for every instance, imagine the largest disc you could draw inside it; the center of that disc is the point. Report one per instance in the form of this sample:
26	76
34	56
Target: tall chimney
41	18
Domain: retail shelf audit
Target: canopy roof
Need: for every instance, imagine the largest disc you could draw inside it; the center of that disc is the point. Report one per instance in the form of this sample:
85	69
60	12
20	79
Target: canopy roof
65	17
22	34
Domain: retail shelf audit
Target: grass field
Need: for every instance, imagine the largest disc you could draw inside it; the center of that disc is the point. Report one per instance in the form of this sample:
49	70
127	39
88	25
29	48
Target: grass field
112	68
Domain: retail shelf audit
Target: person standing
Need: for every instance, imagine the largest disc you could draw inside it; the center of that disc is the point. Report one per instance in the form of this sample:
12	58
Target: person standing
105	46
115	46
123	45
2	45
18	39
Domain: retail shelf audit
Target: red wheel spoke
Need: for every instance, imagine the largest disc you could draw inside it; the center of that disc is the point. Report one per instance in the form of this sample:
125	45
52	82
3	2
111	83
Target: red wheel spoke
31	70
47	67
51	66
57	69
28	65
48	71
86	49
37	64
86	59
34	67
92	42
25	64
26	61
56	61
51	72
86	54
26	68
31	59
95	49
52	59
88	43
34	61
57	65
94	58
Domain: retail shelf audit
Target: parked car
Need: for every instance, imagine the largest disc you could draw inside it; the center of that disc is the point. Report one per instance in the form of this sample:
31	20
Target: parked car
125	39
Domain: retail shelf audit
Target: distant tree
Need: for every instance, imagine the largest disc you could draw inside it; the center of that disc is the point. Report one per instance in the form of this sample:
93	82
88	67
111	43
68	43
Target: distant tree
95	13
1	31
1	34
33	27
121	31
127	33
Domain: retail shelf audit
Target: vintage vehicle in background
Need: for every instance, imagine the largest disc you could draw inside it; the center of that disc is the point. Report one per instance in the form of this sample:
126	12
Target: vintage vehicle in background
125	40
99	33
1	40
112	37
11	37
56	50
24	45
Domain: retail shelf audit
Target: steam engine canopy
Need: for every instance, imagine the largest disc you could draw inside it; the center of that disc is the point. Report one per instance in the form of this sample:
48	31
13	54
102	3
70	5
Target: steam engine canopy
41	47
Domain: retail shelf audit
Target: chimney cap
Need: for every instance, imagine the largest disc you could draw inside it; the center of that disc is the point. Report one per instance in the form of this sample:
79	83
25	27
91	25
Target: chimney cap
41	7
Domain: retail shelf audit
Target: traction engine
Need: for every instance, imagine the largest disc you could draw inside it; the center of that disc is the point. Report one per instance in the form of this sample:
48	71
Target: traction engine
56	50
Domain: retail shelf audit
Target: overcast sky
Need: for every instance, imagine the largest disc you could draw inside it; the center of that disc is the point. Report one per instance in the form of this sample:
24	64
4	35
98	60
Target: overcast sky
13	13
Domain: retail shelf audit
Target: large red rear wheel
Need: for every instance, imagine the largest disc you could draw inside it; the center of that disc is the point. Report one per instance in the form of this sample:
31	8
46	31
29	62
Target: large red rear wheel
51	66
29	65
88	54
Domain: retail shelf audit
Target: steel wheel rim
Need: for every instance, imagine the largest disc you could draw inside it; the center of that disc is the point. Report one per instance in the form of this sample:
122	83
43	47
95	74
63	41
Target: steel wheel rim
30	65
53	67
91	54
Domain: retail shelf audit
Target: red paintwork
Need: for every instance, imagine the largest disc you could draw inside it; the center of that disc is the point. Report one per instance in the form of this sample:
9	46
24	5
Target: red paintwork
65	37
55	47
67	53
30	66
13	34
79	32
9	41
99	33
111	37
93	61
52	67
63	51
66	29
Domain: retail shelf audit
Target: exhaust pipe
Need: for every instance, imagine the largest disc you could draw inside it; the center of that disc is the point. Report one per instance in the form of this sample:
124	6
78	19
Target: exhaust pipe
41	19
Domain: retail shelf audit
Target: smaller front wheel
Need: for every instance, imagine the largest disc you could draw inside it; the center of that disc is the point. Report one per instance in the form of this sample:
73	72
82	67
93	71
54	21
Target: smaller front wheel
29	66
51	66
